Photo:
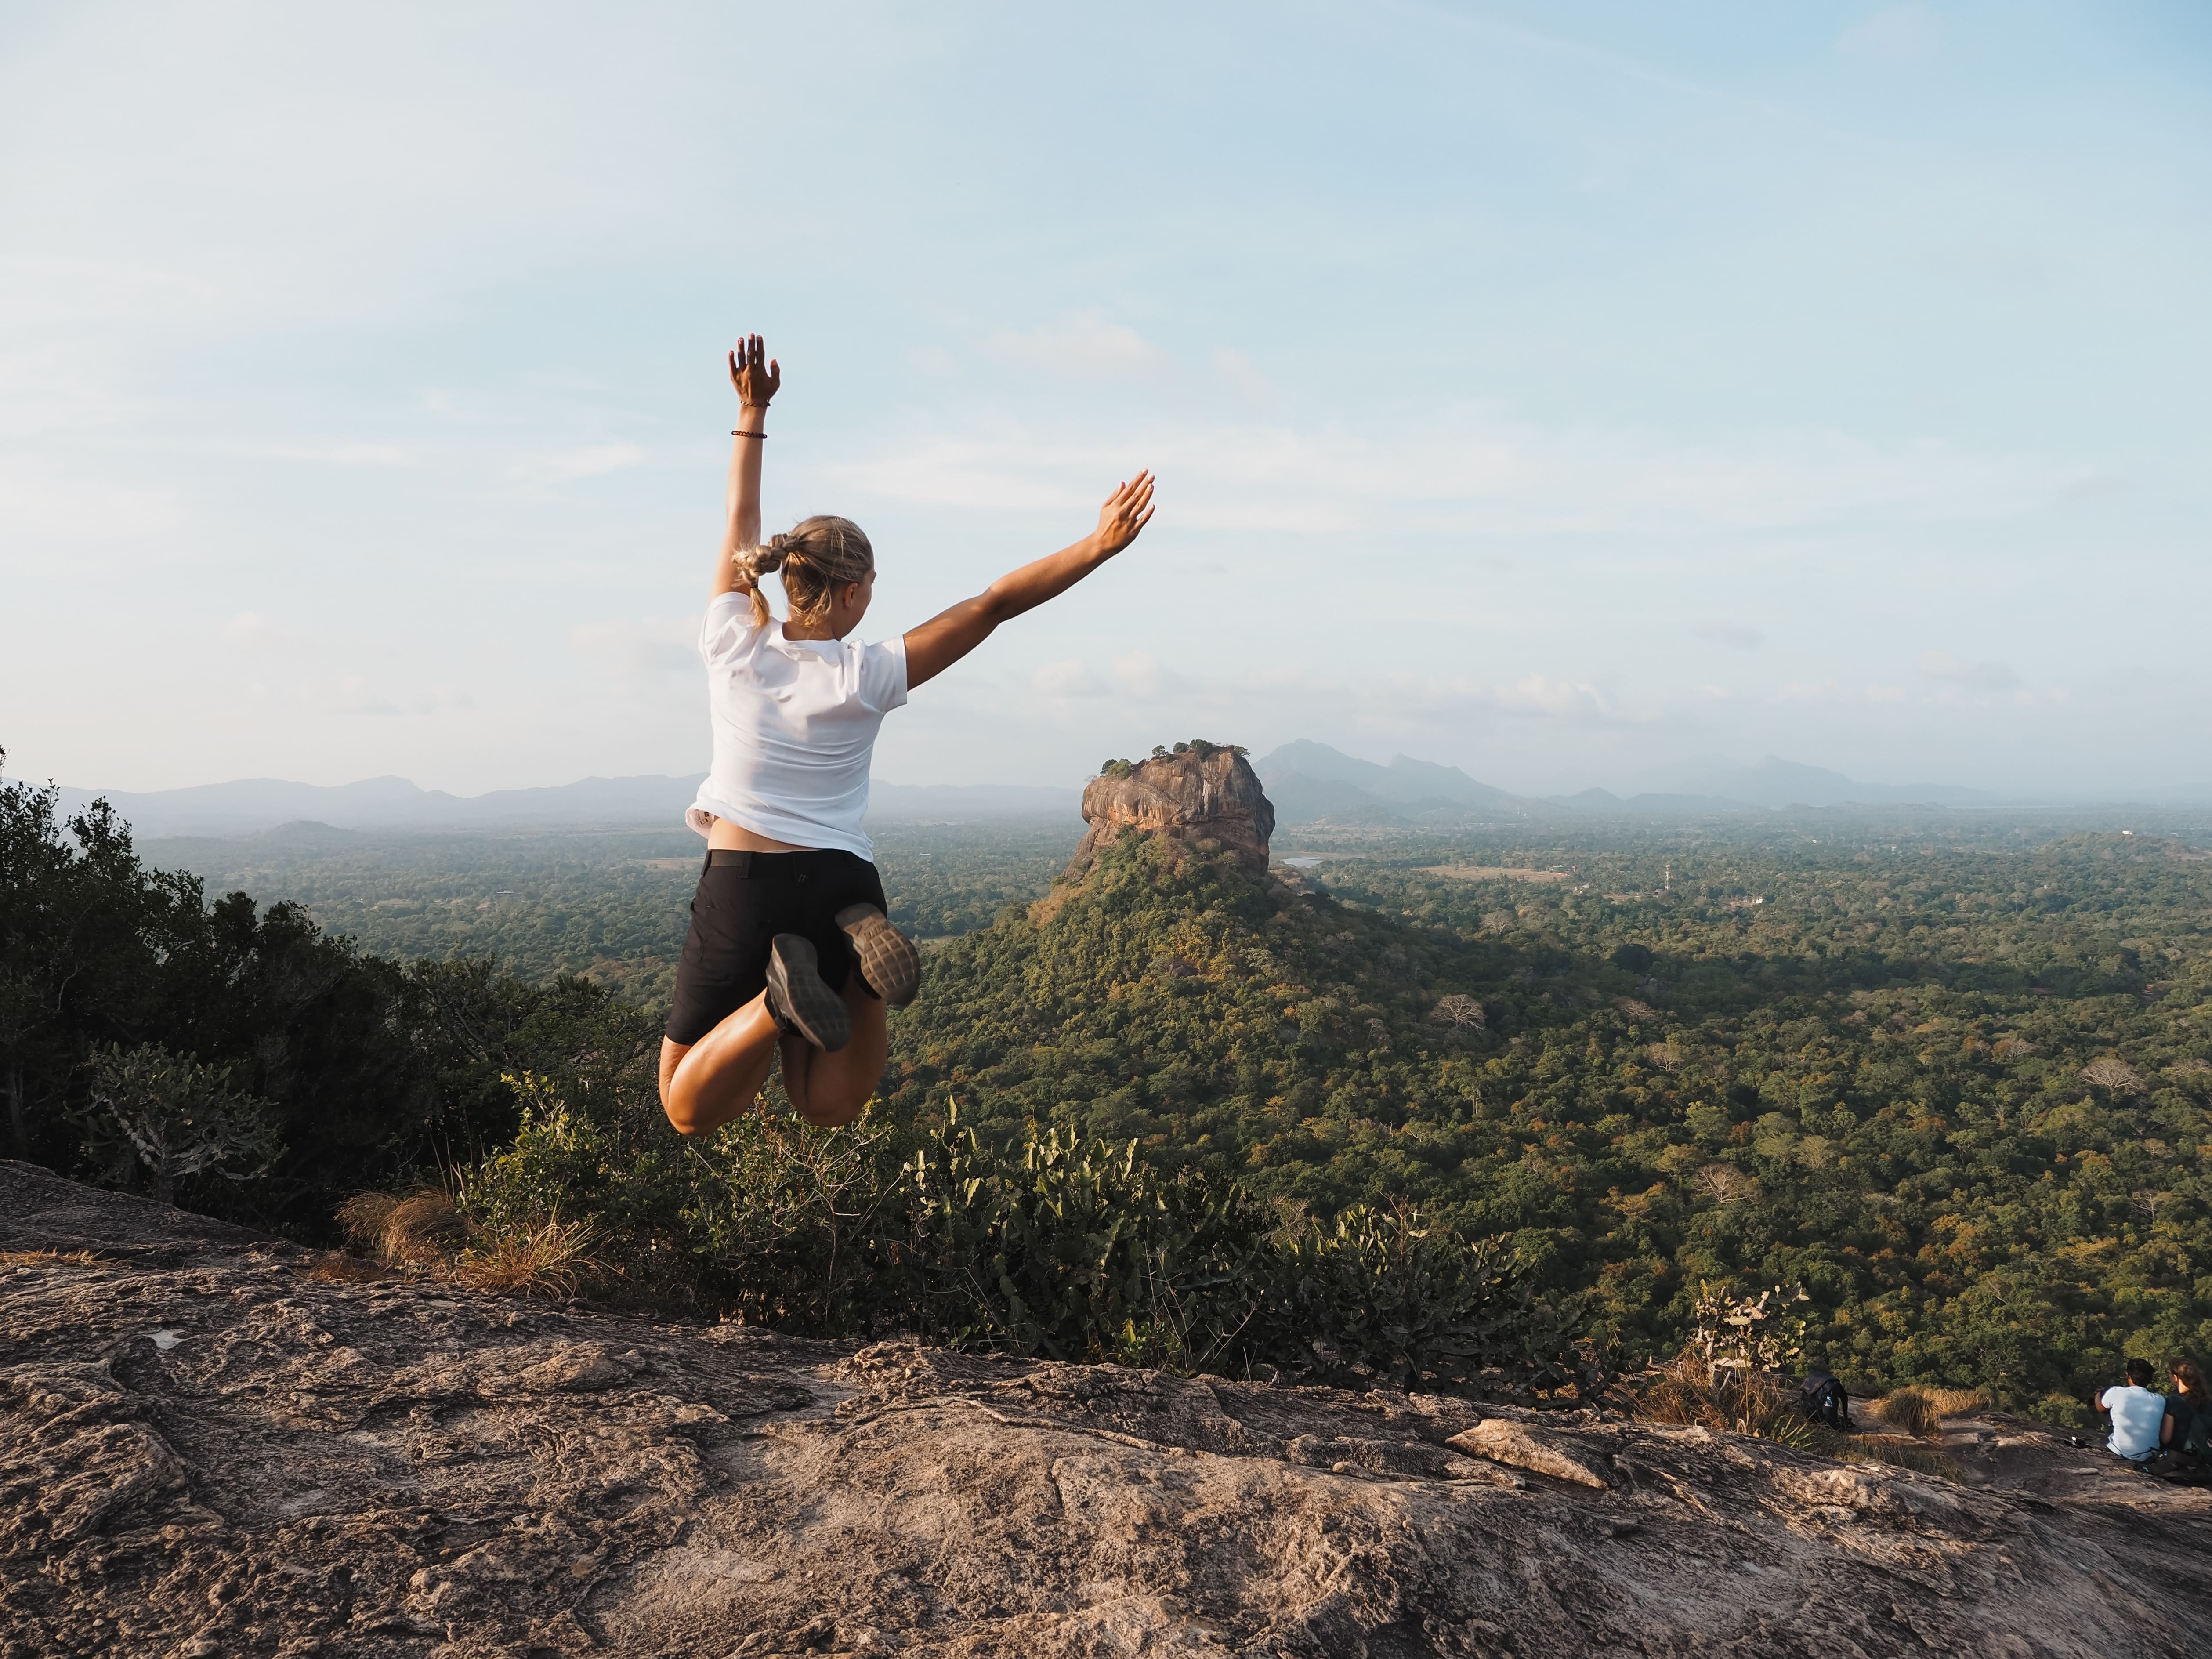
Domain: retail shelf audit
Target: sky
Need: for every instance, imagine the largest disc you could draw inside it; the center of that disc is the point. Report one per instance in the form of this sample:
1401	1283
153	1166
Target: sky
1560	391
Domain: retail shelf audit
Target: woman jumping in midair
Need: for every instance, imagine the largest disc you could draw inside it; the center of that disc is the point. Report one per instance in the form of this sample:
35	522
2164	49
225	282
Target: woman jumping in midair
788	906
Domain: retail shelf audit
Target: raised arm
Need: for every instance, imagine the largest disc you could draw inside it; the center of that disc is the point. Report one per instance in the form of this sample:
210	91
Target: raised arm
952	634
757	378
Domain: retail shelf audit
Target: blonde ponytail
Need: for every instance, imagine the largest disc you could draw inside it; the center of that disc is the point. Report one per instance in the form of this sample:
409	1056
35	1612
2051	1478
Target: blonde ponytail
816	555
752	563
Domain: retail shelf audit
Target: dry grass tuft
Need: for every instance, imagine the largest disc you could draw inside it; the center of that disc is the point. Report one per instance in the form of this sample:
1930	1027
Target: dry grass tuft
1920	1412
1907	1411
1957	1402
1763	1404
48	1258
1900	1455
424	1231
1735	1400
419	1229
337	1268
551	1260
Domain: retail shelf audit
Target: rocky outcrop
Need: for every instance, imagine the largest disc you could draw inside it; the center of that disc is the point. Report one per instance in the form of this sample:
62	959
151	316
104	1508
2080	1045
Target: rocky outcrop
1214	797
213	1444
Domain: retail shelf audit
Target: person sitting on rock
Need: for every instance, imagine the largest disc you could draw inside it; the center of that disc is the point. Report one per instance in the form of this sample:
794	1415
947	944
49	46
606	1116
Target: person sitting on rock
789	905
2187	1430
2138	1414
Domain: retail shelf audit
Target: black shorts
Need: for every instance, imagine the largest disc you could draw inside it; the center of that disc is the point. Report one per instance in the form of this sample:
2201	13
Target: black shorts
744	900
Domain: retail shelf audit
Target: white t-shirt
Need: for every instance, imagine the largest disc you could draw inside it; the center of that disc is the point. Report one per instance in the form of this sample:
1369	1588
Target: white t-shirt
795	724
2138	1414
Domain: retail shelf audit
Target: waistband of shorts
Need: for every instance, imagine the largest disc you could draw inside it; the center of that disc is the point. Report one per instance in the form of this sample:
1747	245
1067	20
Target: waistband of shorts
744	863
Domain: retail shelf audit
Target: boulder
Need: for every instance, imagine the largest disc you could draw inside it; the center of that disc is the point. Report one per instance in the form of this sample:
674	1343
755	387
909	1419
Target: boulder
1215	797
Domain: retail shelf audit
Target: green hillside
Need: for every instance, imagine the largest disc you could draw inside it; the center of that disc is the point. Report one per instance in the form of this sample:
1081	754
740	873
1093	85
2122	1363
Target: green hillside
1959	1093
1950	1074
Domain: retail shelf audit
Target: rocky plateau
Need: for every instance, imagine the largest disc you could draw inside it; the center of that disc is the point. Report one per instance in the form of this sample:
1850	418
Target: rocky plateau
1215	797
214	1443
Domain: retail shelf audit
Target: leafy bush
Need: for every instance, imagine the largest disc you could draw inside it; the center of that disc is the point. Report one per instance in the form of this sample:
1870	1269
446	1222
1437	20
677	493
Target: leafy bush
1058	1246
1375	1295
1075	1250
174	1117
238	1059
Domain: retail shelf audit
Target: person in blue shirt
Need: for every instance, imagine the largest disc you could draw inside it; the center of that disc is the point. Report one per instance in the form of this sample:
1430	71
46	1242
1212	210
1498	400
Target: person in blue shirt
2138	1415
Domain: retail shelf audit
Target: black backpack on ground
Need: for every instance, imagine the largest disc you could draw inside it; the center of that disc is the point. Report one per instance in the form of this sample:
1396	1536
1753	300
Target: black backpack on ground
1826	1401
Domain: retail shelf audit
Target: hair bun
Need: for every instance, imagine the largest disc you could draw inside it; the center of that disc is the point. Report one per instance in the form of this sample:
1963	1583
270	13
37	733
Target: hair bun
767	557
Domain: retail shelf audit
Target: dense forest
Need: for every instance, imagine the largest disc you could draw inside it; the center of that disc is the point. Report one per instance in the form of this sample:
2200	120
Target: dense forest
1957	1091
1949	1073
607	905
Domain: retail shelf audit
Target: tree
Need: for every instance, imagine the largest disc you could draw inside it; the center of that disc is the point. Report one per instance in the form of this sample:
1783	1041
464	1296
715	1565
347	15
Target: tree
177	1117
83	930
1460	1011
2110	1071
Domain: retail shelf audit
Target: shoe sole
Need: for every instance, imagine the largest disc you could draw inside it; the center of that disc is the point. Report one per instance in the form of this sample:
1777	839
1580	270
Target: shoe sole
800	1000
888	961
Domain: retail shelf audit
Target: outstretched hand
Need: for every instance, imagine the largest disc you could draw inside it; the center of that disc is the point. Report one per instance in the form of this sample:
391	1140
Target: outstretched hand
755	373
1127	511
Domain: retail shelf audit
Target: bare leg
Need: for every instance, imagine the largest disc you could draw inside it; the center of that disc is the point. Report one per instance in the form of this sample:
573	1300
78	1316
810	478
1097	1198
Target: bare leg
797	1056
836	1086
719	1077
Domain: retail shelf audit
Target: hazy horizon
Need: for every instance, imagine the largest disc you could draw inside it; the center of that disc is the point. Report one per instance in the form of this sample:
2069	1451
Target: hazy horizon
1693	775
1558	393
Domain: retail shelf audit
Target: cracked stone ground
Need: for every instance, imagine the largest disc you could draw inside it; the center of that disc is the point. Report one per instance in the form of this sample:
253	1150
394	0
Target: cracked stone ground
205	1450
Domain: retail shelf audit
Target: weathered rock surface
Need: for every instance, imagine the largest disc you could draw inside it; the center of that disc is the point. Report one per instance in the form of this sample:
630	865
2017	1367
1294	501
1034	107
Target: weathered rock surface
206	1450
1217	799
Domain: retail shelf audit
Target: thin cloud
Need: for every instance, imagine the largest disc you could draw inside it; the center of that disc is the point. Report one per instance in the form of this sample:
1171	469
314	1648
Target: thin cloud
1069	679
1241	372
445	700
1896	35
251	631
1532	697
349	694
1462	472
336	452
649	645
1085	345
1737	636
584	461
1955	669
1143	675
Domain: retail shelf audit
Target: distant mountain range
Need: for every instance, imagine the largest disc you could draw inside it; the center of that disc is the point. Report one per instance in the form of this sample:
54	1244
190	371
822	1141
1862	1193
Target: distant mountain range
1307	781
250	806
1775	782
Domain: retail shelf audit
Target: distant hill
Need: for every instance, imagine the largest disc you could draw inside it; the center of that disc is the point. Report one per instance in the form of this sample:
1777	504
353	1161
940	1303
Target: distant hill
249	805
1604	800
1307	780
1405	782
1310	781
1298	799
956	803
1777	782
252	805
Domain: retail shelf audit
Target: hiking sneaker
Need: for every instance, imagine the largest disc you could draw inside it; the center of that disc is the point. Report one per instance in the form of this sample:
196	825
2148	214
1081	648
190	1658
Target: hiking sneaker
799	999
890	966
